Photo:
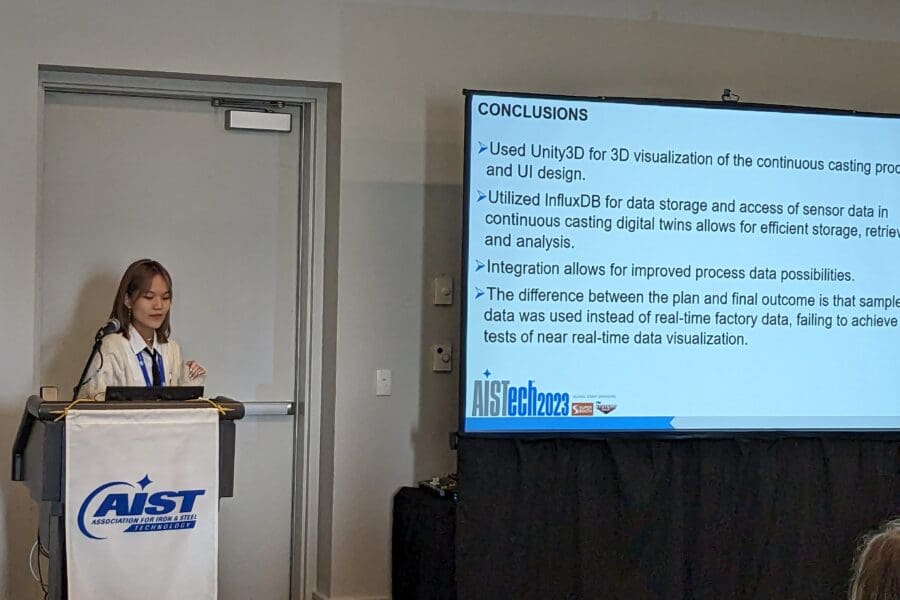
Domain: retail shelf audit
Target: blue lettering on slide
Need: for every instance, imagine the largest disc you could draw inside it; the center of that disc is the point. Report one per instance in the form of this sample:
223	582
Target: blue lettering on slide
497	398
529	401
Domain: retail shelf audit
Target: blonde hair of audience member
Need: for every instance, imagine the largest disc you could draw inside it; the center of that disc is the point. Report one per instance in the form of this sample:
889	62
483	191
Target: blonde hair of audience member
876	570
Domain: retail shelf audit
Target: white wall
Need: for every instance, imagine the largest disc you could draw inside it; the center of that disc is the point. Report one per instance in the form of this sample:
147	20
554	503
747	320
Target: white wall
402	69
860	19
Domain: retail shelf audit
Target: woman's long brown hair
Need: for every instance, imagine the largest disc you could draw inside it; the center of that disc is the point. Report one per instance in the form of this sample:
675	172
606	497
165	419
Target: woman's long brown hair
136	281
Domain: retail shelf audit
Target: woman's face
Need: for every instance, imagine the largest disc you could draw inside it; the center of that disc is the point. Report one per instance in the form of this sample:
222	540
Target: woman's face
149	310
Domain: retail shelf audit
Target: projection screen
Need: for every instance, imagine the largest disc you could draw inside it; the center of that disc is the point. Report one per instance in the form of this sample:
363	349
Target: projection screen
660	266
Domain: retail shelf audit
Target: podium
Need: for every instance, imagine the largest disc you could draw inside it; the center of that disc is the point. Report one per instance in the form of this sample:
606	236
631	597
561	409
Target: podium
38	460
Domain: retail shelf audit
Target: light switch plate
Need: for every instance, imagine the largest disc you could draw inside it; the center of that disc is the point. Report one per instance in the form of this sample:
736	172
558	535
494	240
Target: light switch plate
383	382
442	357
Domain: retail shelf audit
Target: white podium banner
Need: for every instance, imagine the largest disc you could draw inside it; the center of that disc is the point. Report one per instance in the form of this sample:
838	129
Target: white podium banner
142	490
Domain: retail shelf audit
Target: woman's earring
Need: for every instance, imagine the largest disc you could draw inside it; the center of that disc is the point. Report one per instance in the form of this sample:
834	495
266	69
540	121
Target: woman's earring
129	314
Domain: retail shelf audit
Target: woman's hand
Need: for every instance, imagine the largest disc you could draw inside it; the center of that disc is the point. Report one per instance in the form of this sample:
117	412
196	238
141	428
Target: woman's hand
194	369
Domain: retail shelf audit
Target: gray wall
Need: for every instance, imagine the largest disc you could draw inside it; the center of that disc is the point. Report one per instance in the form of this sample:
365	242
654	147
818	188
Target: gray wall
401	70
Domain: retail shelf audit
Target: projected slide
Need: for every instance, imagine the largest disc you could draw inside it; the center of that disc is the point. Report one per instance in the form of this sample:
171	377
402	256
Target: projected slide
662	267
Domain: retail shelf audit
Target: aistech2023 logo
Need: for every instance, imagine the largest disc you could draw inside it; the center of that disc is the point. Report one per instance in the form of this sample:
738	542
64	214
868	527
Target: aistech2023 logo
122	507
499	398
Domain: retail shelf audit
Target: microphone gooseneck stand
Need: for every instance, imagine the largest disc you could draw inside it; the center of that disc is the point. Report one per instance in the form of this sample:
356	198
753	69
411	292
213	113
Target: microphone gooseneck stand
112	326
87	365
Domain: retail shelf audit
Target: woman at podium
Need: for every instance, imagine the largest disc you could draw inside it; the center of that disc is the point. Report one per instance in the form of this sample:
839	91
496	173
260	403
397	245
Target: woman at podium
142	353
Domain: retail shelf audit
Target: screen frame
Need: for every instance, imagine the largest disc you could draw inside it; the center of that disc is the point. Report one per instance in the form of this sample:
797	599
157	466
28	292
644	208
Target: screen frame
469	94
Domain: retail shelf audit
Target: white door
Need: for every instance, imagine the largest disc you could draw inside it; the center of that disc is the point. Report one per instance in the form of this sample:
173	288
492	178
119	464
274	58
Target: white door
132	177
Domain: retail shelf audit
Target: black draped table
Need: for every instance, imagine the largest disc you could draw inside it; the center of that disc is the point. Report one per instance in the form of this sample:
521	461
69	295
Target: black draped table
423	554
646	519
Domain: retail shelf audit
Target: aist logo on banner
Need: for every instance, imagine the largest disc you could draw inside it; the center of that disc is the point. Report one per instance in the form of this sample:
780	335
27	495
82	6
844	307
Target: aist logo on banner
121	507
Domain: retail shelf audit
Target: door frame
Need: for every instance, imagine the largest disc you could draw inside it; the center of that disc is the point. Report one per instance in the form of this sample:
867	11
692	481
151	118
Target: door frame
316	142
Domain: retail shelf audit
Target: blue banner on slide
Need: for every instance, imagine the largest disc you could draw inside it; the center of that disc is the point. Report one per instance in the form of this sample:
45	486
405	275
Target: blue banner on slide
569	424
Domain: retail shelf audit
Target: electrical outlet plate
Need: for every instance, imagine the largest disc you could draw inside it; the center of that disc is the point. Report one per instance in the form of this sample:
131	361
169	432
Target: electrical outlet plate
442	358
443	289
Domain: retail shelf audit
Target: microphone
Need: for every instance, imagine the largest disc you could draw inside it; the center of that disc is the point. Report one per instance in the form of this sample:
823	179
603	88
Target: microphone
112	326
